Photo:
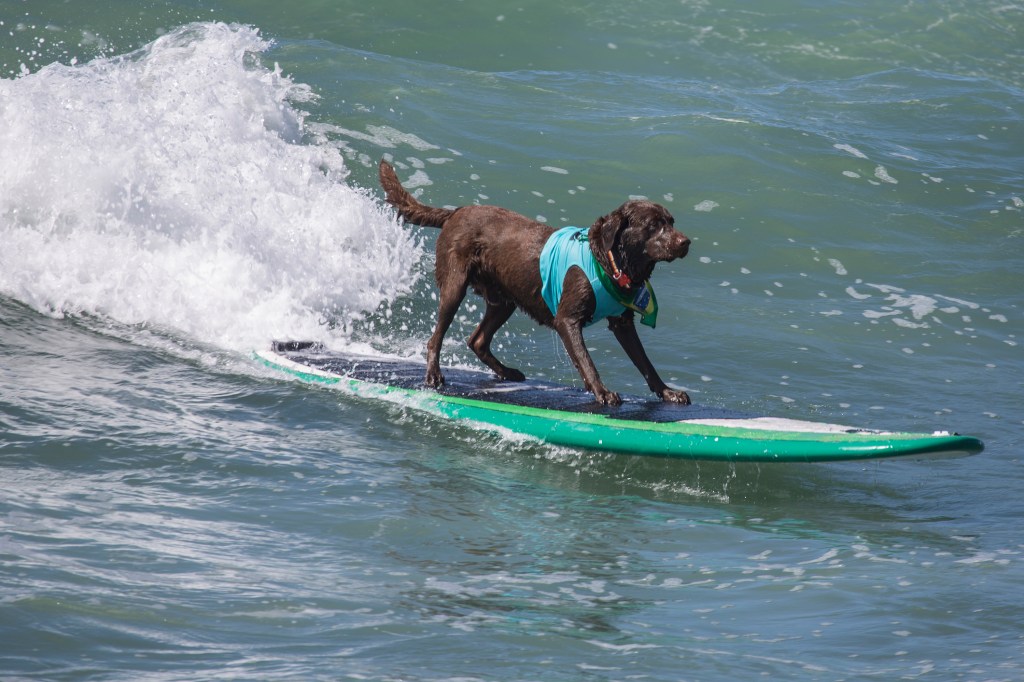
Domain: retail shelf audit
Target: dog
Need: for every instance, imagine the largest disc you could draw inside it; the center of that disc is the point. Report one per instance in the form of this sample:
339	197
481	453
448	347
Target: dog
500	254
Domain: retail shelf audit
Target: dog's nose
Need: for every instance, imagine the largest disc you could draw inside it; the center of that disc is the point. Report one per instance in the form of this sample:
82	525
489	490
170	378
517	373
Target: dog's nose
682	245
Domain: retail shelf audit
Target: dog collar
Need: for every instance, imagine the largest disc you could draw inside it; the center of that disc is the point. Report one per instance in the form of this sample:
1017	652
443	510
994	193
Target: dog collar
618	276
642	300
620	286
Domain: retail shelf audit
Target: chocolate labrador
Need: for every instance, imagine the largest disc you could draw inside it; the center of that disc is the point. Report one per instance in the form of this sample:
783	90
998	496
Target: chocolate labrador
565	279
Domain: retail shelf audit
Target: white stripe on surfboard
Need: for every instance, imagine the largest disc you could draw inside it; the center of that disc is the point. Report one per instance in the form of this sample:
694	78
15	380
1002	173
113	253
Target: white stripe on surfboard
782	424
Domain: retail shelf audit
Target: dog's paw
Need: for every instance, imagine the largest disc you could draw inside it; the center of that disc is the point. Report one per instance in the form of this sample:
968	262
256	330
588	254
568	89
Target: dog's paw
509	374
610	398
670	395
434	379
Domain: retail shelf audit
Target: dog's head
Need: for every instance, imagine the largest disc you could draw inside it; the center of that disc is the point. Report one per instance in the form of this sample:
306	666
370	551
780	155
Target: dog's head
639	234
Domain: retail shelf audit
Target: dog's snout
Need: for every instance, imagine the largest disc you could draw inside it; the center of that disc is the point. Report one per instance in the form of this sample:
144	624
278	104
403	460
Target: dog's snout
684	244
680	245
668	246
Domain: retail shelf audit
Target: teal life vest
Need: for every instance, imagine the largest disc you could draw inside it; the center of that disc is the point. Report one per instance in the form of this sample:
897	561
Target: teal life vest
570	246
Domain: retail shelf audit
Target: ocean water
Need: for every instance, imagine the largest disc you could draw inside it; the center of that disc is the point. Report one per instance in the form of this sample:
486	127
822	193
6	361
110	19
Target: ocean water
181	182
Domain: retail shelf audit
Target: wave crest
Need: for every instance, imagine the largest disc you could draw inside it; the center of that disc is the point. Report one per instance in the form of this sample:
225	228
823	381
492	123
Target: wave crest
174	186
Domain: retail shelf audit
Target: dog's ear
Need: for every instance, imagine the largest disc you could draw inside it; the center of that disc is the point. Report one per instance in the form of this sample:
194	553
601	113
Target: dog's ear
605	229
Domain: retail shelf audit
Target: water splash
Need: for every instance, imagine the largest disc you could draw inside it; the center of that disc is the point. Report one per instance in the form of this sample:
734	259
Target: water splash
176	187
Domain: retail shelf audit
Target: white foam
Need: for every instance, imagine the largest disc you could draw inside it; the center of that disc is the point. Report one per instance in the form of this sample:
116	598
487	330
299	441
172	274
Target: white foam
882	174
173	187
853	293
381	136
827	556
417	179
850	149
960	301
839	268
919	305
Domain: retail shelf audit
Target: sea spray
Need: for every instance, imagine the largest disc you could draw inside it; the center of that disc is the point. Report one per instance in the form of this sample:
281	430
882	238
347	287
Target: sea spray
175	187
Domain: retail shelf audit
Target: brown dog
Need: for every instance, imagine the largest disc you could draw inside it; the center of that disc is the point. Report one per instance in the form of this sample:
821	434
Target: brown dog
498	253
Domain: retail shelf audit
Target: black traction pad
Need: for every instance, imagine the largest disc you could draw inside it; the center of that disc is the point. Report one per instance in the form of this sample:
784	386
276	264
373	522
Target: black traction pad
485	387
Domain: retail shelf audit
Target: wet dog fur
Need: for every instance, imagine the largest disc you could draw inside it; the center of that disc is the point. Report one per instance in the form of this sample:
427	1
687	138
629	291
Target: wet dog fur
497	252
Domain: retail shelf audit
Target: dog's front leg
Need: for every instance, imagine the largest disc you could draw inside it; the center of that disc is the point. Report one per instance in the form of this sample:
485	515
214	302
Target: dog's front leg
576	306
624	328
571	333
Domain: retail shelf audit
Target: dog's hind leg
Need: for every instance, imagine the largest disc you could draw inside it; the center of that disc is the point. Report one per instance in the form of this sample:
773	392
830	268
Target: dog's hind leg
479	341
453	290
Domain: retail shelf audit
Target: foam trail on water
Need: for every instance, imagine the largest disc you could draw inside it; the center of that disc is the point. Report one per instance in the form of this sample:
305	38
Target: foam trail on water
171	187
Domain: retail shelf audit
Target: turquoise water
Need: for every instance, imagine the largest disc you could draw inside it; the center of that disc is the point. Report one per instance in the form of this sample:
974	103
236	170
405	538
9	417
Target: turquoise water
180	182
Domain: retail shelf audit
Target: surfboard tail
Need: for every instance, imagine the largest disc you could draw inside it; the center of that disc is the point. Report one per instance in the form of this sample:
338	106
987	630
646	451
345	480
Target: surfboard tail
409	209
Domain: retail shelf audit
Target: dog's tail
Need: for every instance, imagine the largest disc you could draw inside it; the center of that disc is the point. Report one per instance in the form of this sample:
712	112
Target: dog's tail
408	208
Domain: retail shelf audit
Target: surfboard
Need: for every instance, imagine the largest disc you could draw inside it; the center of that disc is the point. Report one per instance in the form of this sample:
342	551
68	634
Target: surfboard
569	416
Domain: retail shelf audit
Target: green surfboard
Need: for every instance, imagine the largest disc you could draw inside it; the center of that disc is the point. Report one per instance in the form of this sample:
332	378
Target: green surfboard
568	416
